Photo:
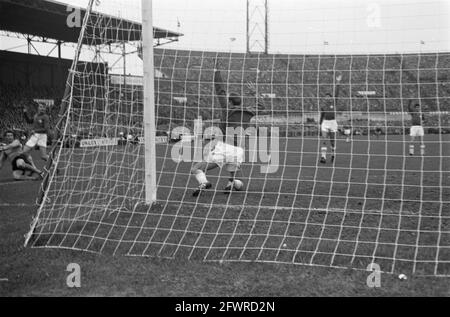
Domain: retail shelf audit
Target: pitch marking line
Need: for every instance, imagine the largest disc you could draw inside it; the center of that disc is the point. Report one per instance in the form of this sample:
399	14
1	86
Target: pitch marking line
16	183
17	205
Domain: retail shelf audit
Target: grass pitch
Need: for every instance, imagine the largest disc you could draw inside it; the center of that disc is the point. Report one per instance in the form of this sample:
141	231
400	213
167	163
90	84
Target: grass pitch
388	197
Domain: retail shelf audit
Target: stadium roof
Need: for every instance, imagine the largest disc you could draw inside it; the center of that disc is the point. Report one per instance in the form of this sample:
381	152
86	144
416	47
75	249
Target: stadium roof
47	19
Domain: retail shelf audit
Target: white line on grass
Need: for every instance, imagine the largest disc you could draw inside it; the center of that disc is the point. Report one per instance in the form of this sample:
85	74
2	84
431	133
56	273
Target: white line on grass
17	205
16	182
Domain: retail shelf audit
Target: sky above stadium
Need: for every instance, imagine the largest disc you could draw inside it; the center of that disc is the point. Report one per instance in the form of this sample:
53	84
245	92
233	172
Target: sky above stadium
320	26
295	26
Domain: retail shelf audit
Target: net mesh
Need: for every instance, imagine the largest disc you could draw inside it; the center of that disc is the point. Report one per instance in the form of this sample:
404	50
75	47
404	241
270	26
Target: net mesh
375	203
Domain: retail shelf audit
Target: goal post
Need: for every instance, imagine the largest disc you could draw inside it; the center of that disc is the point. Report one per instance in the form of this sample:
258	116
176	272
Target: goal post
149	102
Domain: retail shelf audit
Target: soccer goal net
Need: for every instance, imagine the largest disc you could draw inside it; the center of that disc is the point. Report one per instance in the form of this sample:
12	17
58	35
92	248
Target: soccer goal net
341	110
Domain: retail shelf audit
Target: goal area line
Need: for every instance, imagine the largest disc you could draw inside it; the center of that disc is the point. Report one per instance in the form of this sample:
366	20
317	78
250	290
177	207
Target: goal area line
165	204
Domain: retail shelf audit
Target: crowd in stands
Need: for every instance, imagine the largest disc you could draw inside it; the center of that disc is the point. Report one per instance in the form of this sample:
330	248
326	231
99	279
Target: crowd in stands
433	125
295	83
298	81
14	98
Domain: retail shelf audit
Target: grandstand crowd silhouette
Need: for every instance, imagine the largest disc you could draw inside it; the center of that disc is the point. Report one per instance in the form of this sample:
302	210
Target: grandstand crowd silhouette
294	82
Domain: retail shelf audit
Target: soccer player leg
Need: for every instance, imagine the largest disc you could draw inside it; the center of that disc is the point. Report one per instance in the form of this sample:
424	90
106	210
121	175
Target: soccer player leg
325	135
412	140
329	130
347	133
417	132
31	144
20	169
42	143
30	159
2	159
234	160
28	166
421	133
199	171
333	131
19	175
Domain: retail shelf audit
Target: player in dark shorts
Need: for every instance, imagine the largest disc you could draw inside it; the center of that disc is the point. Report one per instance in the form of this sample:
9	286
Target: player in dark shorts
378	130
21	163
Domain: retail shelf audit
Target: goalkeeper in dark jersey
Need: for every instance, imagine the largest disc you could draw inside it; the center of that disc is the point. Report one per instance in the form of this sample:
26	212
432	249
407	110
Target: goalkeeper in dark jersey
234	114
417	130
328	122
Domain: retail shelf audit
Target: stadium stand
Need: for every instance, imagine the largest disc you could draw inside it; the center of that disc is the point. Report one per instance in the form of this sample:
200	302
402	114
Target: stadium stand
13	99
293	80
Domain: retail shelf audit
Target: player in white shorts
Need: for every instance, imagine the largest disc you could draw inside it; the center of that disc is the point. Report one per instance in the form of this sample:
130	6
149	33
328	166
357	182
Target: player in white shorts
41	129
328	123
222	154
417	130
348	133
225	155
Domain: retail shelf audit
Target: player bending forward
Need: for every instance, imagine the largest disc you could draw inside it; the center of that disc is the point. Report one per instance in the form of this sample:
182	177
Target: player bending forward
328	122
417	130
41	129
234	115
23	169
